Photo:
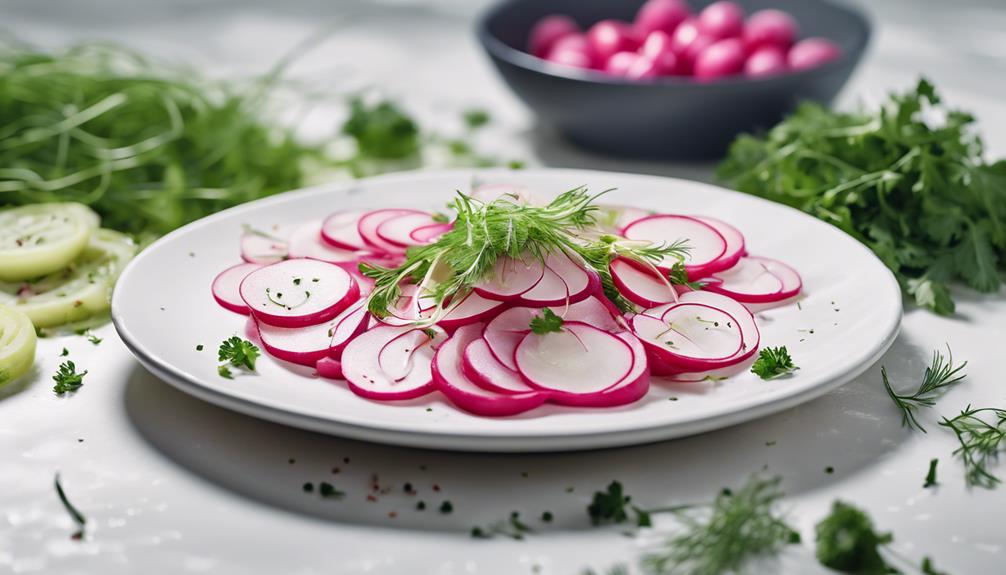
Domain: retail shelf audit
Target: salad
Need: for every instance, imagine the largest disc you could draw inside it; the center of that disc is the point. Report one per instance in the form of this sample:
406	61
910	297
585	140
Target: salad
509	304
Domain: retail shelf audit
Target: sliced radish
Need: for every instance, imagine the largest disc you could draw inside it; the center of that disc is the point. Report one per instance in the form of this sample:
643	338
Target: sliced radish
749	281
410	307
298	292
227	287
472	308
398	230
506	330
563	281
306	345
510	278
365	283
371	221
363	357
452	381
340	230
745	319
639	285
264	247
329	368
711	375
482	368
733	236
579	359
791	281
429	234
689	336
632	387
306	242
706	245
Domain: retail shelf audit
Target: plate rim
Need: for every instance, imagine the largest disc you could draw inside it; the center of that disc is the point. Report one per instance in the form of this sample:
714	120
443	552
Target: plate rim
520	441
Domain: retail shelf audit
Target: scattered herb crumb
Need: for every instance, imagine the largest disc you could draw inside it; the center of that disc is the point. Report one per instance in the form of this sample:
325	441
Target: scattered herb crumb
308	487
199	347
77	516
511	527
446	507
67	379
846	541
421	505
981	434
931	474
547	516
64	353
773	362
328	491
225	372
829	470
236	352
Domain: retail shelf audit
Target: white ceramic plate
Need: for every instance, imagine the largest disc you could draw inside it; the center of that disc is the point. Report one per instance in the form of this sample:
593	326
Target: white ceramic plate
849	316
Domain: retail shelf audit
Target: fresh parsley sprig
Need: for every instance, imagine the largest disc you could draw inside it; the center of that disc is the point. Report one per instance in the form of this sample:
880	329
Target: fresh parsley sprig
67	379
939	376
547	322
981	434
773	362
236	352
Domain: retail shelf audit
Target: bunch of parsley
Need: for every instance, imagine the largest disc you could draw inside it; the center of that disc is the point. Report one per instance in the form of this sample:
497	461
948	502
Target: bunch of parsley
908	180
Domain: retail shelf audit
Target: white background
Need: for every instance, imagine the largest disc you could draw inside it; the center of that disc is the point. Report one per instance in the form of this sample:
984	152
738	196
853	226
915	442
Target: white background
171	484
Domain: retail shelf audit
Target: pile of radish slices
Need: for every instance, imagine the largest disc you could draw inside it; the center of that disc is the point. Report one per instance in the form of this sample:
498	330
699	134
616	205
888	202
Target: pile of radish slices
307	303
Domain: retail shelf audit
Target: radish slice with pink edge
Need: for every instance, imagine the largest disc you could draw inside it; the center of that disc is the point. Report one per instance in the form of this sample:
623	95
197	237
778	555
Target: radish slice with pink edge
749	281
510	278
563	281
396	358
264	246
745	319
451	380
706	245
398	230
407	309
306	345
482	368
734	238
361	363
294	293
227	287
579	359
506	330
329	368
340	230
371	221
712	375
429	234
366	284
639	285
690	336
471	309
306	242
632	388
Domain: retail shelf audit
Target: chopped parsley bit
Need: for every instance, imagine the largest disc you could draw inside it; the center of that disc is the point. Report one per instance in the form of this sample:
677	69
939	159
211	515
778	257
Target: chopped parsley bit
547	322
327	491
672	398
773	362
430	332
939	375
64	353
612	506
931	475
847	542
516	164
421	505
570	489
512	527
308	487
829	470
238	353
547	516
928	568
67	379
770	443
429	409
296	281
92	338
77	516
225	372
475	118
199	347
446	507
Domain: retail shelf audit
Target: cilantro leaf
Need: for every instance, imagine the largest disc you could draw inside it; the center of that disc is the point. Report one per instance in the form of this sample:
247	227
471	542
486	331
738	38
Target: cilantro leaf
773	362
67	379
238	353
547	322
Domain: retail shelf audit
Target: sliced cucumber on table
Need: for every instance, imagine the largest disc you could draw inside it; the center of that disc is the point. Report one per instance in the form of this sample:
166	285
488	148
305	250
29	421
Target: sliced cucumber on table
17	344
80	289
40	239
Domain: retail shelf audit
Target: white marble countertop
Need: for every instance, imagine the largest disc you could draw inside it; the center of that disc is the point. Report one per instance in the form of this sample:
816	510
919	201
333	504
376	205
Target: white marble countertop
171	484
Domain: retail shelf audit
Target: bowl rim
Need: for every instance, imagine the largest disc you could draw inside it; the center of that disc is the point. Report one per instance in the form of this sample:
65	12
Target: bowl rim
499	49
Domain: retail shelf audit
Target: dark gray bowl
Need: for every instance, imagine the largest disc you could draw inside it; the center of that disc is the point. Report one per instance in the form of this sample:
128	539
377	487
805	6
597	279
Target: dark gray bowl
669	118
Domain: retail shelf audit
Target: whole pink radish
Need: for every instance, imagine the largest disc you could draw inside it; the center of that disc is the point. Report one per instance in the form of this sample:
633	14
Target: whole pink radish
632	65
662	15
609	37
765	61
769	28
659	48
721	20
547	31
722	59
619	63
572	51
687	43
813	52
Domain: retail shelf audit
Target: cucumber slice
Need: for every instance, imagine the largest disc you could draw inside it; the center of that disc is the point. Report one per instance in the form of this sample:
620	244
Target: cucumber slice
17	344
39	239
79	291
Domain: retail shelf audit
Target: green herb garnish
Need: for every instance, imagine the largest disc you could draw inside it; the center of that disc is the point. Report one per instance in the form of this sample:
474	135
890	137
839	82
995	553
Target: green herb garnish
67	379
931	474
982	437
741	525
225	372
547	322
916	191
846	542
940	375
328	491
773	362
75	513
382	130
238	353
511	527
475	118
